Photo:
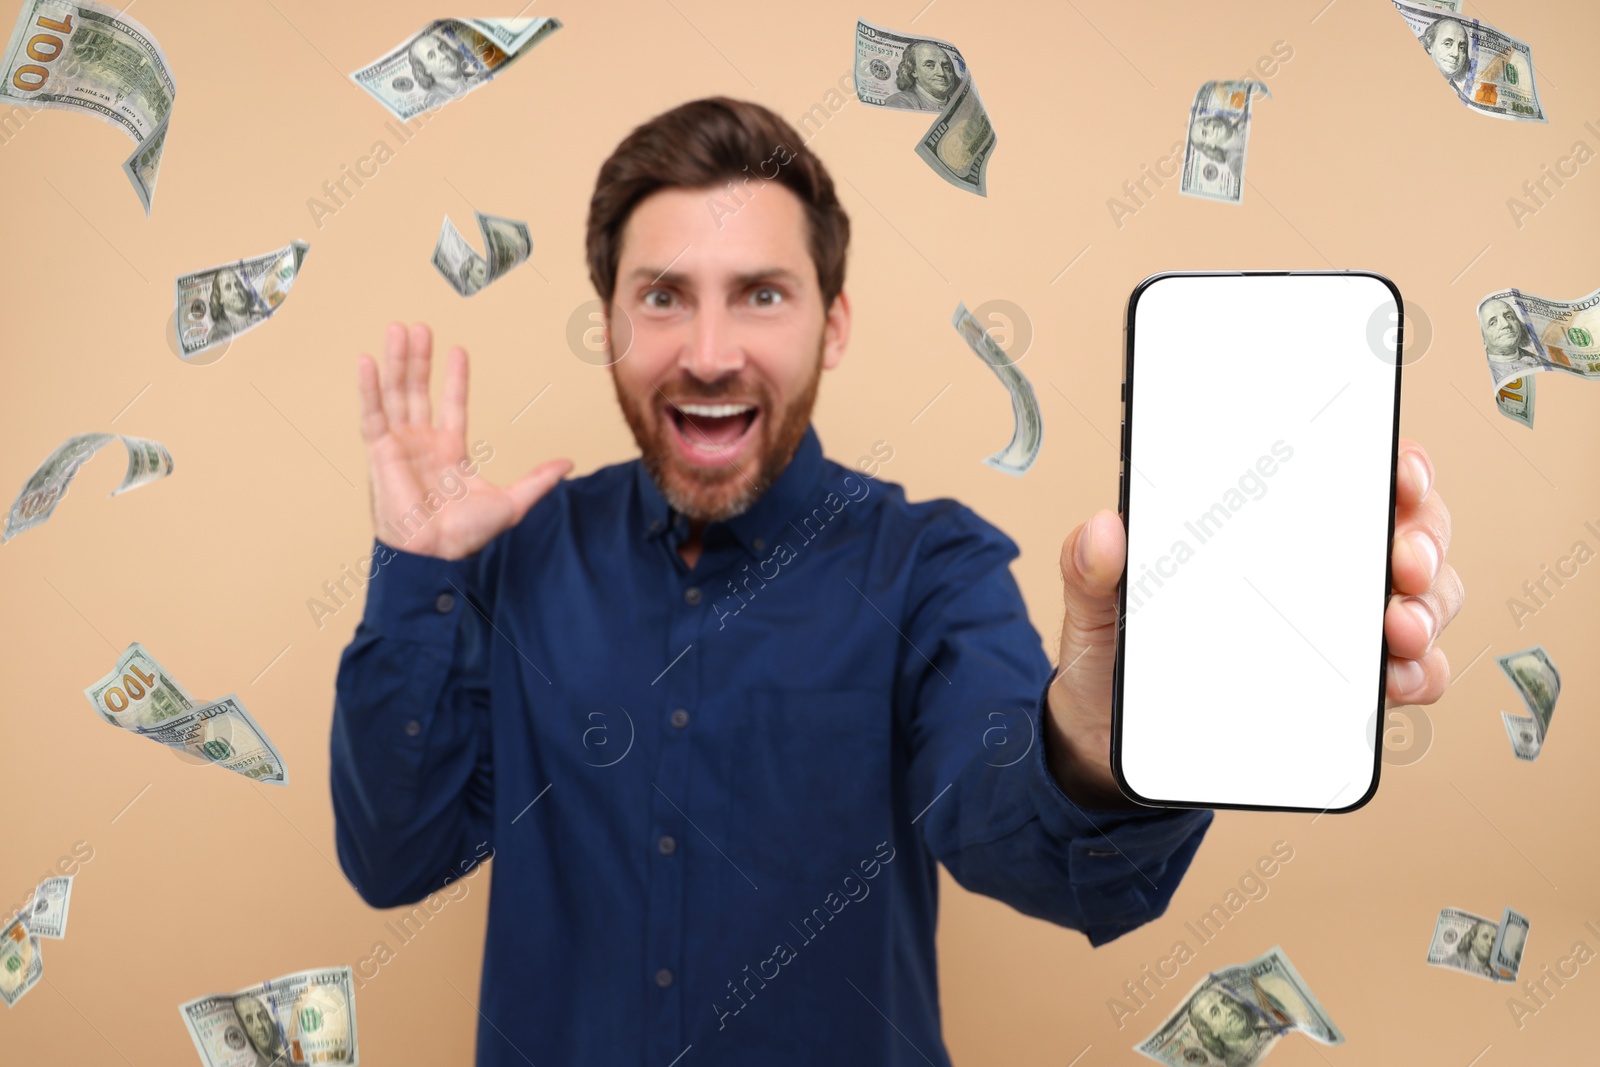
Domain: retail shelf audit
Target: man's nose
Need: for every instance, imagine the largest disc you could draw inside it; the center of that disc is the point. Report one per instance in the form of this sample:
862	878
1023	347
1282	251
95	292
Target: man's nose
714	349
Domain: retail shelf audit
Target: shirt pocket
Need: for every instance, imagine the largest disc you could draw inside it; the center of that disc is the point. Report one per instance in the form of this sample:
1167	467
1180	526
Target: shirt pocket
811	783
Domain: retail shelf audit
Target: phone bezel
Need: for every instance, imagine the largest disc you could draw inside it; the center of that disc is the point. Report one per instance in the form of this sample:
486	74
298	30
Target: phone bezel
1122	508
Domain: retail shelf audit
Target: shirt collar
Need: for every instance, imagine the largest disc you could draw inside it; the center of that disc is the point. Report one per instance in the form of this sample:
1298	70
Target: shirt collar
758	525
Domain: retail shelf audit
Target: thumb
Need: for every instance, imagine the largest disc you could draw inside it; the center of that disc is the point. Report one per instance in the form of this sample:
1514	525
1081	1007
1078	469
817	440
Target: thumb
1092	559
526	491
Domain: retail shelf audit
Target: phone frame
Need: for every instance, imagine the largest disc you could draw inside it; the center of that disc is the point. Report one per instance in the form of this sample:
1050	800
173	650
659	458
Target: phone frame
1122	509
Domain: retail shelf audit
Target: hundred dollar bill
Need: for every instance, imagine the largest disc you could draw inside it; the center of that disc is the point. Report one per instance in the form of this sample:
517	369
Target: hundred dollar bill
220	303
1539	684
1219	133
1525	334
447	59
907	73
1234	1016
81	56
303	1018
1490	71
21	960
506	241
138	692
221	732
47	911
1027	431
1509	942
147	461
1466	942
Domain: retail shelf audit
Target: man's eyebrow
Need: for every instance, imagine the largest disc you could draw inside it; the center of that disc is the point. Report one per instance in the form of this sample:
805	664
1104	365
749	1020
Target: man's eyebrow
655	276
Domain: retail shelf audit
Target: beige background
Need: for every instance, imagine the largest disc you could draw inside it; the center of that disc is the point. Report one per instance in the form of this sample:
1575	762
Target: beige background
1362	159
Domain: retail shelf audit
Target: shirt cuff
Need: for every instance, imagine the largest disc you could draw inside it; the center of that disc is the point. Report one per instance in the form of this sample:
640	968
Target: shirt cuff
1066	819
412	597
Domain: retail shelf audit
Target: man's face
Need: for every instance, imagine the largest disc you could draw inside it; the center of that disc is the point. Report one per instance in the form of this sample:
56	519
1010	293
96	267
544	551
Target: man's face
257	1023
1450	47
1501	330
1482	941
728	340
932	69
233	294
434	55
473	274
1225	1015
1213	131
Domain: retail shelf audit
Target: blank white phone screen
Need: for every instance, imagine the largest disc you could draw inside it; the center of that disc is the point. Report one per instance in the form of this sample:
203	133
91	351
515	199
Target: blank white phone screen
1262	413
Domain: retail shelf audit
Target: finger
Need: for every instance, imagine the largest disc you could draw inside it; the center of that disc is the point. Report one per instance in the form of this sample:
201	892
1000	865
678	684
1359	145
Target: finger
1413	623
419	368
373	424
526	491
1414	474
394	374
453	405
1421	539
1417	681
1091	565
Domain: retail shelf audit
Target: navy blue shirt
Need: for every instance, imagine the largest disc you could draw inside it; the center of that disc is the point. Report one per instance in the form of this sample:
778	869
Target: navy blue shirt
715	796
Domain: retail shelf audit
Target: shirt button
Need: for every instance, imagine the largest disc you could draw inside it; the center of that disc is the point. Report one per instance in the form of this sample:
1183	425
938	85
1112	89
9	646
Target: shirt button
680	718
663	978
654	526
691	595
667	845
758	544
413	728
444	603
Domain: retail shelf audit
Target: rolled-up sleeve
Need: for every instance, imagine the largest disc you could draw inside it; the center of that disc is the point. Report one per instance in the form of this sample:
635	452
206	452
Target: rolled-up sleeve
410	756
1000	822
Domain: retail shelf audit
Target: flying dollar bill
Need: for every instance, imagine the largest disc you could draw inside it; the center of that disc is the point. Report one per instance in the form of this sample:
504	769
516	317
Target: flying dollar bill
506	242
1525	334
140	696
1466	942
138	692
1234	1016
221	732
147	461
447	59
217	304
81	56
1491	72
21	960
303	1018
1219	133
1539	684
906	73
47	911
1027	431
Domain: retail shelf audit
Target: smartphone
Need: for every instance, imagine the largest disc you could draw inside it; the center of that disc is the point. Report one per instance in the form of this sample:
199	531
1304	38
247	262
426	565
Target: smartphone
1261	422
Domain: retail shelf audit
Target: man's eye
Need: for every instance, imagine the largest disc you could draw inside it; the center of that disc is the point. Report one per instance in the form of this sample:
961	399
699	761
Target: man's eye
650	301
776	296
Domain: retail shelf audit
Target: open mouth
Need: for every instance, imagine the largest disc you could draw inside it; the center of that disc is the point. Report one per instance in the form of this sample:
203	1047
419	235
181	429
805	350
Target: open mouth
712	433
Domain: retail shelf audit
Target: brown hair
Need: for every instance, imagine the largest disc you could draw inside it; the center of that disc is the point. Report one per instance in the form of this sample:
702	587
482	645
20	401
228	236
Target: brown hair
707	143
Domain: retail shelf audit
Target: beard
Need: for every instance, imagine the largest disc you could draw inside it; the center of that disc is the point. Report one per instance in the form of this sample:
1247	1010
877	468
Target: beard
705	495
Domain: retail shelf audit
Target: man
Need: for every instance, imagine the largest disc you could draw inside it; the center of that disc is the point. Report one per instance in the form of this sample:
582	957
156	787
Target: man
926	78
806	665
1473	951
1230	1030
1446	42
262	1032
442	65
1510	348
234	307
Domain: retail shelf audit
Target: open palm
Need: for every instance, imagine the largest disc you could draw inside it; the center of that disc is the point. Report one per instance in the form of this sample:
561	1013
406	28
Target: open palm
423	498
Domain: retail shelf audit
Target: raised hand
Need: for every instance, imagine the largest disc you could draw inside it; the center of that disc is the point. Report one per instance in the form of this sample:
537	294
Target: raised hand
419	470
